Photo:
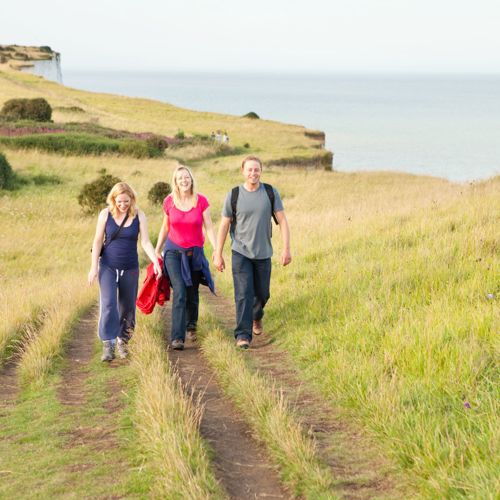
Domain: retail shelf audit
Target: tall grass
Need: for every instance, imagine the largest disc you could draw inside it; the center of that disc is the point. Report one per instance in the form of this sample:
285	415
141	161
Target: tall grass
44	346
168	421
397	320
269	416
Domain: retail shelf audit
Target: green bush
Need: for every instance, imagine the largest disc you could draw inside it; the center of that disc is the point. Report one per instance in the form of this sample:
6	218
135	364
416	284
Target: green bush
180	135
252	115
157	142
27	109
246	145
81	145
159	192
7	175
92	197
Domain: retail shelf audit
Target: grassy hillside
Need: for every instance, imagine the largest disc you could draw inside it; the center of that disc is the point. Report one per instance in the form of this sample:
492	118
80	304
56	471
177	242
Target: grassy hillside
389	308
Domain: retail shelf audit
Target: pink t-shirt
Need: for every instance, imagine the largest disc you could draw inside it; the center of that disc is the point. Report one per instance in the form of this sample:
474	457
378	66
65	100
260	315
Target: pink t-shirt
185	228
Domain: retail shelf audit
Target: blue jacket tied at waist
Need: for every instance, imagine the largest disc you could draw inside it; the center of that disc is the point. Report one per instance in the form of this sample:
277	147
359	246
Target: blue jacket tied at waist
192	259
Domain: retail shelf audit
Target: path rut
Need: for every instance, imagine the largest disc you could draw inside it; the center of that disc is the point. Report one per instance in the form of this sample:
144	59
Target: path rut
240	462
358	467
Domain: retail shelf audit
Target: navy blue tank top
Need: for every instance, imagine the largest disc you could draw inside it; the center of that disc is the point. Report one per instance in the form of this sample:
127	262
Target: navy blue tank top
121	253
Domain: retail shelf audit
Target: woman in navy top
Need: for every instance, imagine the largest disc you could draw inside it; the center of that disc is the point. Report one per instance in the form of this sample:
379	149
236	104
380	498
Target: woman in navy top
118	267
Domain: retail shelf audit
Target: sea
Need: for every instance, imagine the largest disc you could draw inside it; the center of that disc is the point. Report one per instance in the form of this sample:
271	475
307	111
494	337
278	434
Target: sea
442	126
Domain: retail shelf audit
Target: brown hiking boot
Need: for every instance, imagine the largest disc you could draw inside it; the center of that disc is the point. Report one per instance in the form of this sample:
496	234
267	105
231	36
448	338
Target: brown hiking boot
243	343
257	327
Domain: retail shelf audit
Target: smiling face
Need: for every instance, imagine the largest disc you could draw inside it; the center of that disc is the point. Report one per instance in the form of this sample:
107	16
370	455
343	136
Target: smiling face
251	172
184	181
123	202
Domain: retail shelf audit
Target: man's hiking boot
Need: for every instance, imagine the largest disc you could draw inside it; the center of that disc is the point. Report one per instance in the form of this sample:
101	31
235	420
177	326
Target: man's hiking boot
243	344
257	327
108	350
191	334
121	348
178	344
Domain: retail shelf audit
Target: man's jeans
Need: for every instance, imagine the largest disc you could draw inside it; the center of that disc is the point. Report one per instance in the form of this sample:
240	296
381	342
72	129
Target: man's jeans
251	278
186	300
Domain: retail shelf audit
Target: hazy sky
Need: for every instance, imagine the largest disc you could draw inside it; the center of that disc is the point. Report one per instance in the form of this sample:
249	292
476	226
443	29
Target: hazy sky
262	35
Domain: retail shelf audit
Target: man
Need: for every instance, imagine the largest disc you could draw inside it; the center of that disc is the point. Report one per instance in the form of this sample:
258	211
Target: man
250	222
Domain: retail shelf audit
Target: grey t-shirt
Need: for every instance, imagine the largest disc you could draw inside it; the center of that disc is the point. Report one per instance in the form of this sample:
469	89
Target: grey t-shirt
252	235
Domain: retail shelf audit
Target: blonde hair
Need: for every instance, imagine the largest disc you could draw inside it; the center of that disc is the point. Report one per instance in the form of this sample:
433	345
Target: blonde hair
176	195
117	190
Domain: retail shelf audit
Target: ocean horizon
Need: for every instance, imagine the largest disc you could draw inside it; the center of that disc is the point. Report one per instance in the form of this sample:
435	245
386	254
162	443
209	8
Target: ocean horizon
440	125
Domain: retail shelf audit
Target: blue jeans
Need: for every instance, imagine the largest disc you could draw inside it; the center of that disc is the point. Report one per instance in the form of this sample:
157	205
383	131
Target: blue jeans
118	293
186	300
252	279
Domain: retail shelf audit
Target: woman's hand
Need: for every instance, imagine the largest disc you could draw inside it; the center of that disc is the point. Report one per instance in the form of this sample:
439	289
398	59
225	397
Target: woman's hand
92	276
218	262
157	269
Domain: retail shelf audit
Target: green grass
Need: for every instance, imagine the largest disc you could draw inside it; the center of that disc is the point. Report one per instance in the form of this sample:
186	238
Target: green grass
168	422
269	415
40	452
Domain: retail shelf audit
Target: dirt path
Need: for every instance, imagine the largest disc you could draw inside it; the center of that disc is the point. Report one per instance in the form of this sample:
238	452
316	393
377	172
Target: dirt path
355	462
240	463
9	385
73	392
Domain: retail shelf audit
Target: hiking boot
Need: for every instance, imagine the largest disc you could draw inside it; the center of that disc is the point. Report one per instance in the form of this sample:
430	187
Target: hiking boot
178	344
108	350
121	348
257	327
243	344
191	334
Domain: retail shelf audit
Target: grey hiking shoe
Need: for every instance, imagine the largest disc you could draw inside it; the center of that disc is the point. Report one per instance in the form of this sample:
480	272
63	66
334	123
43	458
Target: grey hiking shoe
121	348
243	344
178	344
108	350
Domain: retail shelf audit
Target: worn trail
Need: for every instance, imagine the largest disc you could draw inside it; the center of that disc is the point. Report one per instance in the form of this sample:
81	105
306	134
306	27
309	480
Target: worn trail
240	462
358	467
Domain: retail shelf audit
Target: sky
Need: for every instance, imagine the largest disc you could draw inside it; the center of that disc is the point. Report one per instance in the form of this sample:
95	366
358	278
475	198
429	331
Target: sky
313	36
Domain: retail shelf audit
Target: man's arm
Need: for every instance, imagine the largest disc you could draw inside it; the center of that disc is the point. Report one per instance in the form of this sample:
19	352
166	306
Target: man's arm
217	258
286	256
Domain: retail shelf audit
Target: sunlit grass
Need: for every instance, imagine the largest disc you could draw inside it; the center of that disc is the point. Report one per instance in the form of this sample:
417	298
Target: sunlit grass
269	415
168	422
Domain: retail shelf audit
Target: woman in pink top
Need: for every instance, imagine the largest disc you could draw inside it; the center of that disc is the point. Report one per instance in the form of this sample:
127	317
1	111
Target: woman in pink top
181	238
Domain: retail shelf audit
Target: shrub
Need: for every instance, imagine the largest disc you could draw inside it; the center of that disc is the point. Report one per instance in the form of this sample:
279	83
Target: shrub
7	175
157	142
246	145
93	195
46	48
252	115
81	144
27	109
159	192
180	135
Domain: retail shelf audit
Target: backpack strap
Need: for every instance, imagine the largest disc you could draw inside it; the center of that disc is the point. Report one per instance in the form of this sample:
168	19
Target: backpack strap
270	192
234	201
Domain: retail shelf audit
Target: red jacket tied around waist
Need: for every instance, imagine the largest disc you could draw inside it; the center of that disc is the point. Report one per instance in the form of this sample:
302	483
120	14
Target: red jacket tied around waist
153	291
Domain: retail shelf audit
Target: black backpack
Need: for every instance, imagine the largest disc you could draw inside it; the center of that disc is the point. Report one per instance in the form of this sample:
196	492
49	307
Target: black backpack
235	192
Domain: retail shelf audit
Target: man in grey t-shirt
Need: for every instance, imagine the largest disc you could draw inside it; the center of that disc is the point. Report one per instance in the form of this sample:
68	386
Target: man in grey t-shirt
251	248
